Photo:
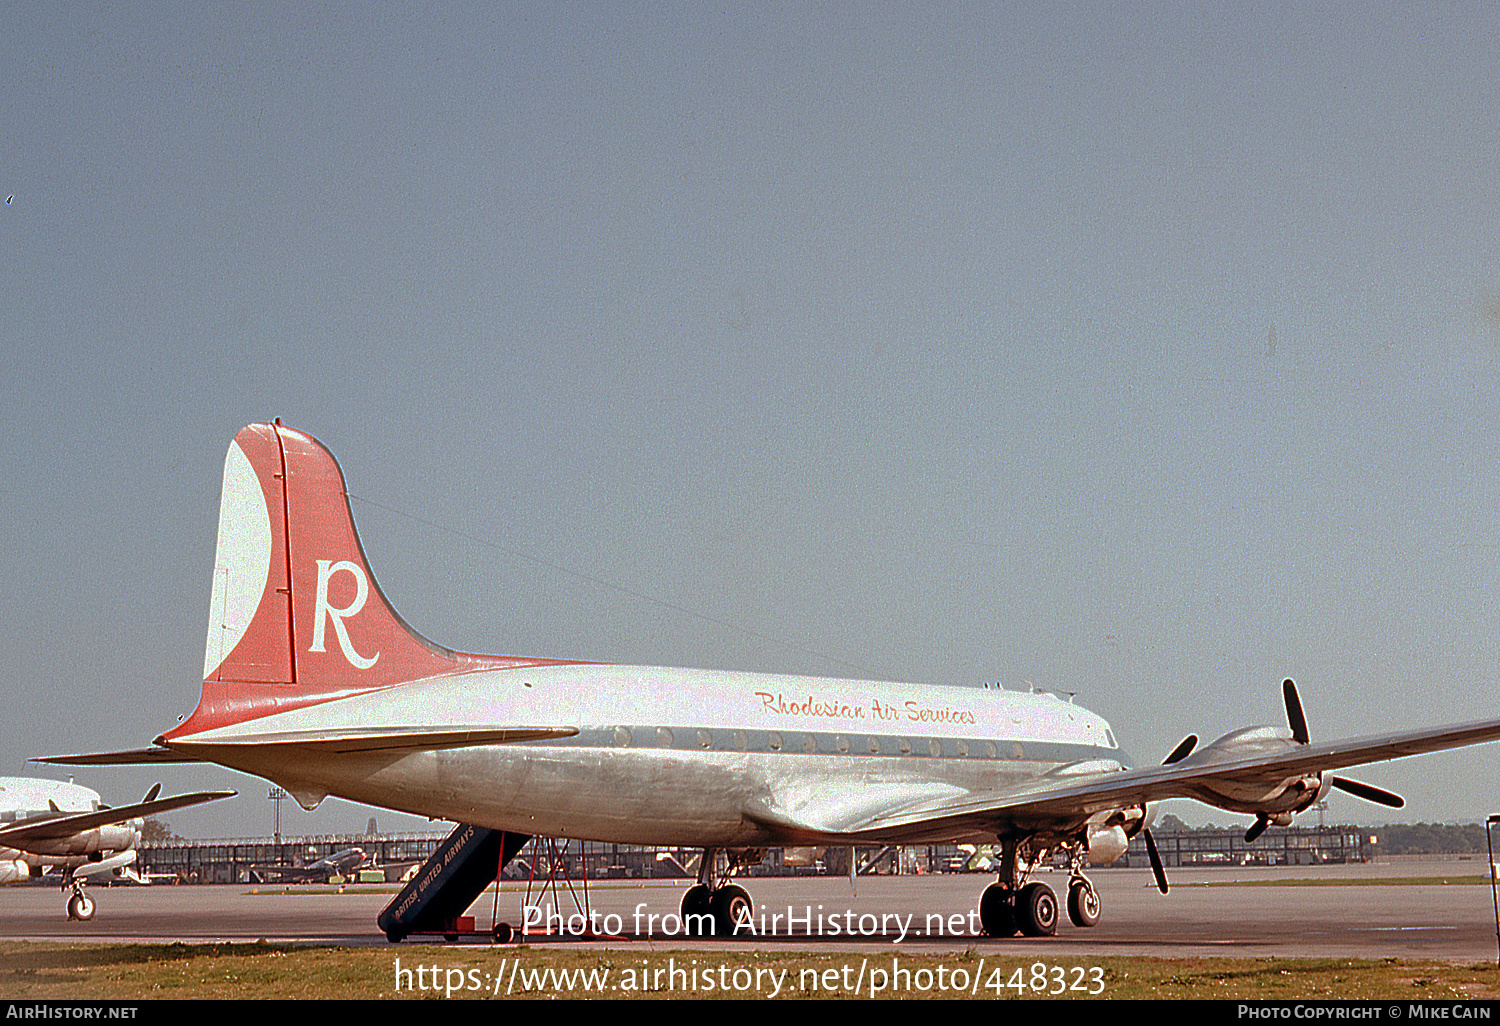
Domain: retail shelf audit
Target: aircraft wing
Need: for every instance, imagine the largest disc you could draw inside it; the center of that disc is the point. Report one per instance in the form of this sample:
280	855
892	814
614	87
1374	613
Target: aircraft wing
1068	796
65	825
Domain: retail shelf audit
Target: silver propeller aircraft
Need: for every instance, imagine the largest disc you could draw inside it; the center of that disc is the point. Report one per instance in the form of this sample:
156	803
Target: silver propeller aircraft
313	681
342	864
48	823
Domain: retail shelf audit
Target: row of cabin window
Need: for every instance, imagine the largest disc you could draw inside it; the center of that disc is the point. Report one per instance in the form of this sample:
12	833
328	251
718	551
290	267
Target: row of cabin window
623	737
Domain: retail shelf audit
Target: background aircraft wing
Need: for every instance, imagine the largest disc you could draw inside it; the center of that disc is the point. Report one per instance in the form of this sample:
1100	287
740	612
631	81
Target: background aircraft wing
284	872
67	824
1074	793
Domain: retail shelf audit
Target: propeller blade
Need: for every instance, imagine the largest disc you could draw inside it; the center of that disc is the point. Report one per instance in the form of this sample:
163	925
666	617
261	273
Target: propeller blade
1294	716
1156	868
1369	792
1257	828
1183	750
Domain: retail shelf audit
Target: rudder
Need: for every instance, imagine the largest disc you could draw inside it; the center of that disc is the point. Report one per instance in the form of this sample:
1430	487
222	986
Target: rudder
285	517
296	616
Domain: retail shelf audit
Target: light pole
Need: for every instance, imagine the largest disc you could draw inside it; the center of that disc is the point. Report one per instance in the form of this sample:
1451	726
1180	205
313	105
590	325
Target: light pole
277	796
1489	842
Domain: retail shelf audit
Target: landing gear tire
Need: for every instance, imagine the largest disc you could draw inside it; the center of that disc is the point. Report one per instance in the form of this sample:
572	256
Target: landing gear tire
997	911
1083	904
395	936
81	907
1036	910
731	908
697	903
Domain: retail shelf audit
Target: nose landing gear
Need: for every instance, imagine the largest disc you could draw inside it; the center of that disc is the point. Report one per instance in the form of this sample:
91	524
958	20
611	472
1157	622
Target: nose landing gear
1083	902
80	905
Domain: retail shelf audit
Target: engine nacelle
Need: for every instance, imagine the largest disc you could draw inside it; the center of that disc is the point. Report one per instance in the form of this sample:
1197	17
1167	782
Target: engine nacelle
1106	844
14	872
111	838
1256	792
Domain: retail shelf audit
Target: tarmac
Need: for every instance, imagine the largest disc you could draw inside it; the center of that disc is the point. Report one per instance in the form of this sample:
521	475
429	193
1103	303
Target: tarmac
1354	911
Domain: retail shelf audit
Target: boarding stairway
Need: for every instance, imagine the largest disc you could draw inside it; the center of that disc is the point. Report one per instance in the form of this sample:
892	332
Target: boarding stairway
465	862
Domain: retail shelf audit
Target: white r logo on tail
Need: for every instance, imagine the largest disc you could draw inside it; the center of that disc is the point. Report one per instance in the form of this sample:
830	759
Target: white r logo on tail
324	612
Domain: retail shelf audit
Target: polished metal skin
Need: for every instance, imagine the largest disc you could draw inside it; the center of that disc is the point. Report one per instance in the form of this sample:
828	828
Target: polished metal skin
632	774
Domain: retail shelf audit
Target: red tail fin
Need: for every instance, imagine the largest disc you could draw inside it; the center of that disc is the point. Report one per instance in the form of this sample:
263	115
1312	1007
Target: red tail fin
296	615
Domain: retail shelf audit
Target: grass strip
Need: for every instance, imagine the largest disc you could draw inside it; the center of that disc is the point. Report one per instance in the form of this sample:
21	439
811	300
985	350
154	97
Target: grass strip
44	971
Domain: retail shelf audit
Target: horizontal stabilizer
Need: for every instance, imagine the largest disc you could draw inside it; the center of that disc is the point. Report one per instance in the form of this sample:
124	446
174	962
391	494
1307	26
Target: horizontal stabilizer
345	740
333	741
130	757
56	827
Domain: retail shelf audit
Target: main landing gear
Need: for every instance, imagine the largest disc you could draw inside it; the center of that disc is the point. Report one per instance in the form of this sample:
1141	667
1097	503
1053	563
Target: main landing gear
713	906
1011	905
80	905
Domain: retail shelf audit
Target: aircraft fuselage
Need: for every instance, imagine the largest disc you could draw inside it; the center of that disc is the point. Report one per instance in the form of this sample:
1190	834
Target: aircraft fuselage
676	756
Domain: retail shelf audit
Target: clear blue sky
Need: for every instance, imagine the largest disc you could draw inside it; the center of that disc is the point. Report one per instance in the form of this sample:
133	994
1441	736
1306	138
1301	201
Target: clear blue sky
1146	351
